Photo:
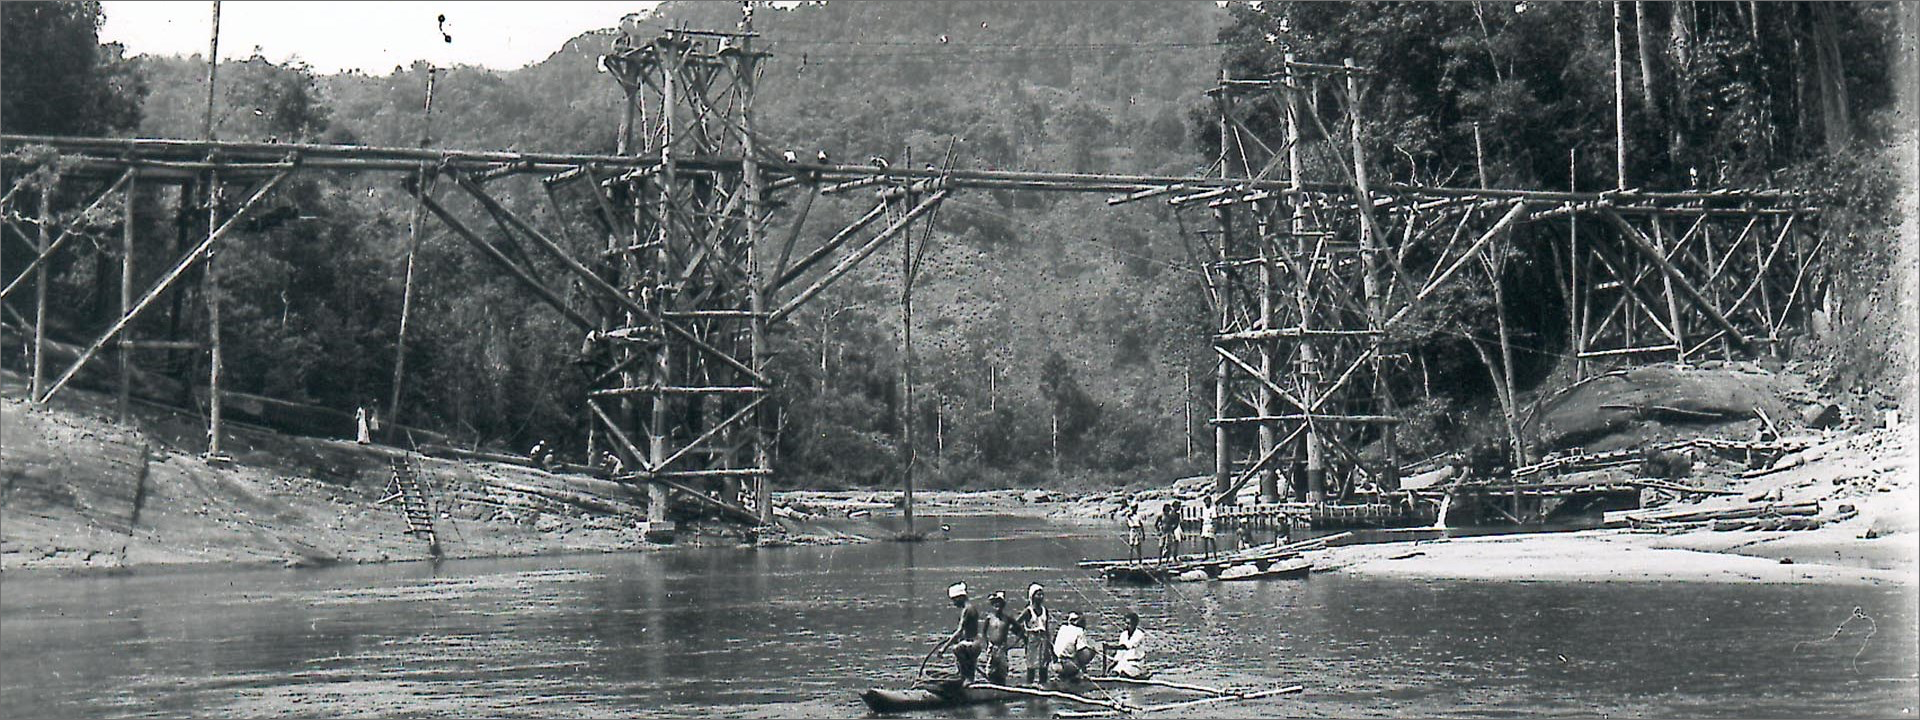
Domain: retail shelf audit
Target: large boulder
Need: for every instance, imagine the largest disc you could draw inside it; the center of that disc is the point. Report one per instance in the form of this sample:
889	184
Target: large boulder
1633	407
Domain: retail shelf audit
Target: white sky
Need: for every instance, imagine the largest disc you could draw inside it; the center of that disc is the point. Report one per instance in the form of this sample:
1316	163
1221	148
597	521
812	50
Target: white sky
370	36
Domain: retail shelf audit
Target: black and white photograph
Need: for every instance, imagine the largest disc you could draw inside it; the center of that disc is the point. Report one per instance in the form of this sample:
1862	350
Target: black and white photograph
986	359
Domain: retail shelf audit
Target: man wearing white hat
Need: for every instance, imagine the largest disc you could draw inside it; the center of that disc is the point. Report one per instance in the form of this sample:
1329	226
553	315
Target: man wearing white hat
1036	623
1071	649
966	638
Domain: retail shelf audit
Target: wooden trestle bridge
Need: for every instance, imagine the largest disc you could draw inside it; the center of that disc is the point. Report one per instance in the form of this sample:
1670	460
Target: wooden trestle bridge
1309	277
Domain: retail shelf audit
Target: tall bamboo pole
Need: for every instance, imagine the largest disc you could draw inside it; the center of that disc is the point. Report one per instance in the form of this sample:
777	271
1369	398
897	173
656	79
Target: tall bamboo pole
413	249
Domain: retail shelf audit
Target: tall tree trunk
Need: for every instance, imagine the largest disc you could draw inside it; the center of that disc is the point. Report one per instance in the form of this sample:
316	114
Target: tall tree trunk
1645	42
1831	73
1680	46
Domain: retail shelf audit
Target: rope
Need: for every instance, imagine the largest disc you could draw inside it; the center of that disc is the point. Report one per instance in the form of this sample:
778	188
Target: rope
1873	628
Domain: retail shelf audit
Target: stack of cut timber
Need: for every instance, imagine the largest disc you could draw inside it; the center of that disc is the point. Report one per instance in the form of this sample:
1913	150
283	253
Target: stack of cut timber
1753	516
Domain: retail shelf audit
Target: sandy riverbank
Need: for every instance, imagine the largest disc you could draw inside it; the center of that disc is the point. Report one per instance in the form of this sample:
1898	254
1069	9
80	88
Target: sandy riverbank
81	493
1872	472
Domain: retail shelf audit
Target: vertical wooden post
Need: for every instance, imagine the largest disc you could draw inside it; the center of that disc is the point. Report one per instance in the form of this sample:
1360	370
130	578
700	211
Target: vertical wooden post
658	497
1389	477
1186	406
39	385
756	298
1619	102
906	376
1297	226
212	268
213	320
1673	299
1222	457
126	296
213	67
406	288
1575	293
1479	151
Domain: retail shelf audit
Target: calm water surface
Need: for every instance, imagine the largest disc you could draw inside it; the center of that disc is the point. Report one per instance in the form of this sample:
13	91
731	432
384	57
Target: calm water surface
799	631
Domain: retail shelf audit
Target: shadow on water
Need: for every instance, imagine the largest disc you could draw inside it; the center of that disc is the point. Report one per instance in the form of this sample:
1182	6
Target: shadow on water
798	631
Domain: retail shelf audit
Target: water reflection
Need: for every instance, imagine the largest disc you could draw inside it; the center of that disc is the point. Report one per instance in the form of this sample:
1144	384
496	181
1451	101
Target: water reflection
798	631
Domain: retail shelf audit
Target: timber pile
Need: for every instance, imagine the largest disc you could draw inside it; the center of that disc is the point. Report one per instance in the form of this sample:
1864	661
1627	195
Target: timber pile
1751	516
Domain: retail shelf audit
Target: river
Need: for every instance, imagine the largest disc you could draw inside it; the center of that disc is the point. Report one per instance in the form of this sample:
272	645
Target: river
798	631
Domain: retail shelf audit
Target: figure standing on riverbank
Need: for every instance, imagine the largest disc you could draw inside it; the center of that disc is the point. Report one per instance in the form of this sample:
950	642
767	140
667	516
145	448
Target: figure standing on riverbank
1035	623
1209	517
966	637
1136	533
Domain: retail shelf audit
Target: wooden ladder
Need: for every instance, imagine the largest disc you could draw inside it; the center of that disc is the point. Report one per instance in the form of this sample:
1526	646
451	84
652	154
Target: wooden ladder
416	503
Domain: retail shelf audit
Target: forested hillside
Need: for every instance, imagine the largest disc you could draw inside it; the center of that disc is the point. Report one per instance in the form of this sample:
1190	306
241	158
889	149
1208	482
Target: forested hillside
1059	340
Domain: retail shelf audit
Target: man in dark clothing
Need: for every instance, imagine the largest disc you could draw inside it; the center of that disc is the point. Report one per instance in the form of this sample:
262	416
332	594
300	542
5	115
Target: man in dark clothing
998	630
966	637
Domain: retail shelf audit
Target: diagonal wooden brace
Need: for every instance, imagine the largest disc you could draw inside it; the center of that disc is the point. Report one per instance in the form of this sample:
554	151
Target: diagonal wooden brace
179	268
1680	282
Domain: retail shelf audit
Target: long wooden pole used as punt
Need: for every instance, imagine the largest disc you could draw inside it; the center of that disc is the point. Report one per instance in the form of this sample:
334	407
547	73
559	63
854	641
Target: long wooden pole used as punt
1055	695
1288	690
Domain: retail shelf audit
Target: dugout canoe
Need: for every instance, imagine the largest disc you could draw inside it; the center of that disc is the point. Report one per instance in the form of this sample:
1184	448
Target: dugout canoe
932	696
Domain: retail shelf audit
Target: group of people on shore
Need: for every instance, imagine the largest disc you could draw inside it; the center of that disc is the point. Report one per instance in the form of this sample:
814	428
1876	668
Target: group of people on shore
1169	530
1054	648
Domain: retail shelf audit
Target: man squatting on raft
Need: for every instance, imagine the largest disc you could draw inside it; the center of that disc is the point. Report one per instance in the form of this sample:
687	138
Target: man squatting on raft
1072	652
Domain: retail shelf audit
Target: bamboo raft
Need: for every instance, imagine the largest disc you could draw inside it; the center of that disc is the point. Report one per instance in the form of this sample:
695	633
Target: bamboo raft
952	693
1266	562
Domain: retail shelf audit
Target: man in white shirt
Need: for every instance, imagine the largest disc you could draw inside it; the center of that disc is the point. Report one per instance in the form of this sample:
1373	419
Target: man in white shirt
1071	649
1130	654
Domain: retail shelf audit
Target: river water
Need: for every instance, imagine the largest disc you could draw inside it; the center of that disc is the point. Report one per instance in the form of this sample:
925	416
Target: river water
798	632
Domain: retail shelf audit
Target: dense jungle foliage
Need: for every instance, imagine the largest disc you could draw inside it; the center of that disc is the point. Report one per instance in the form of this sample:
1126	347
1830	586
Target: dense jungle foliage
1058	340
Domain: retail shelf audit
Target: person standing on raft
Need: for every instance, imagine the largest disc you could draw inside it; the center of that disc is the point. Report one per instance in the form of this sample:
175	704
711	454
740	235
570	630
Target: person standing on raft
998	630
966	637
1136	533
1036	624
1209	521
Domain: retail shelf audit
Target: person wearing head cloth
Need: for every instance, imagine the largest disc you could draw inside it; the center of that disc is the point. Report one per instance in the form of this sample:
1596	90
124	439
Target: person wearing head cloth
1130	653
966	637
1036	623
1072	652
998	630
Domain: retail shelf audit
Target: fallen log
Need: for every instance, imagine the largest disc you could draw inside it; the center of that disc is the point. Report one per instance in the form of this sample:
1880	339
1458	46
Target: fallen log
1676	487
